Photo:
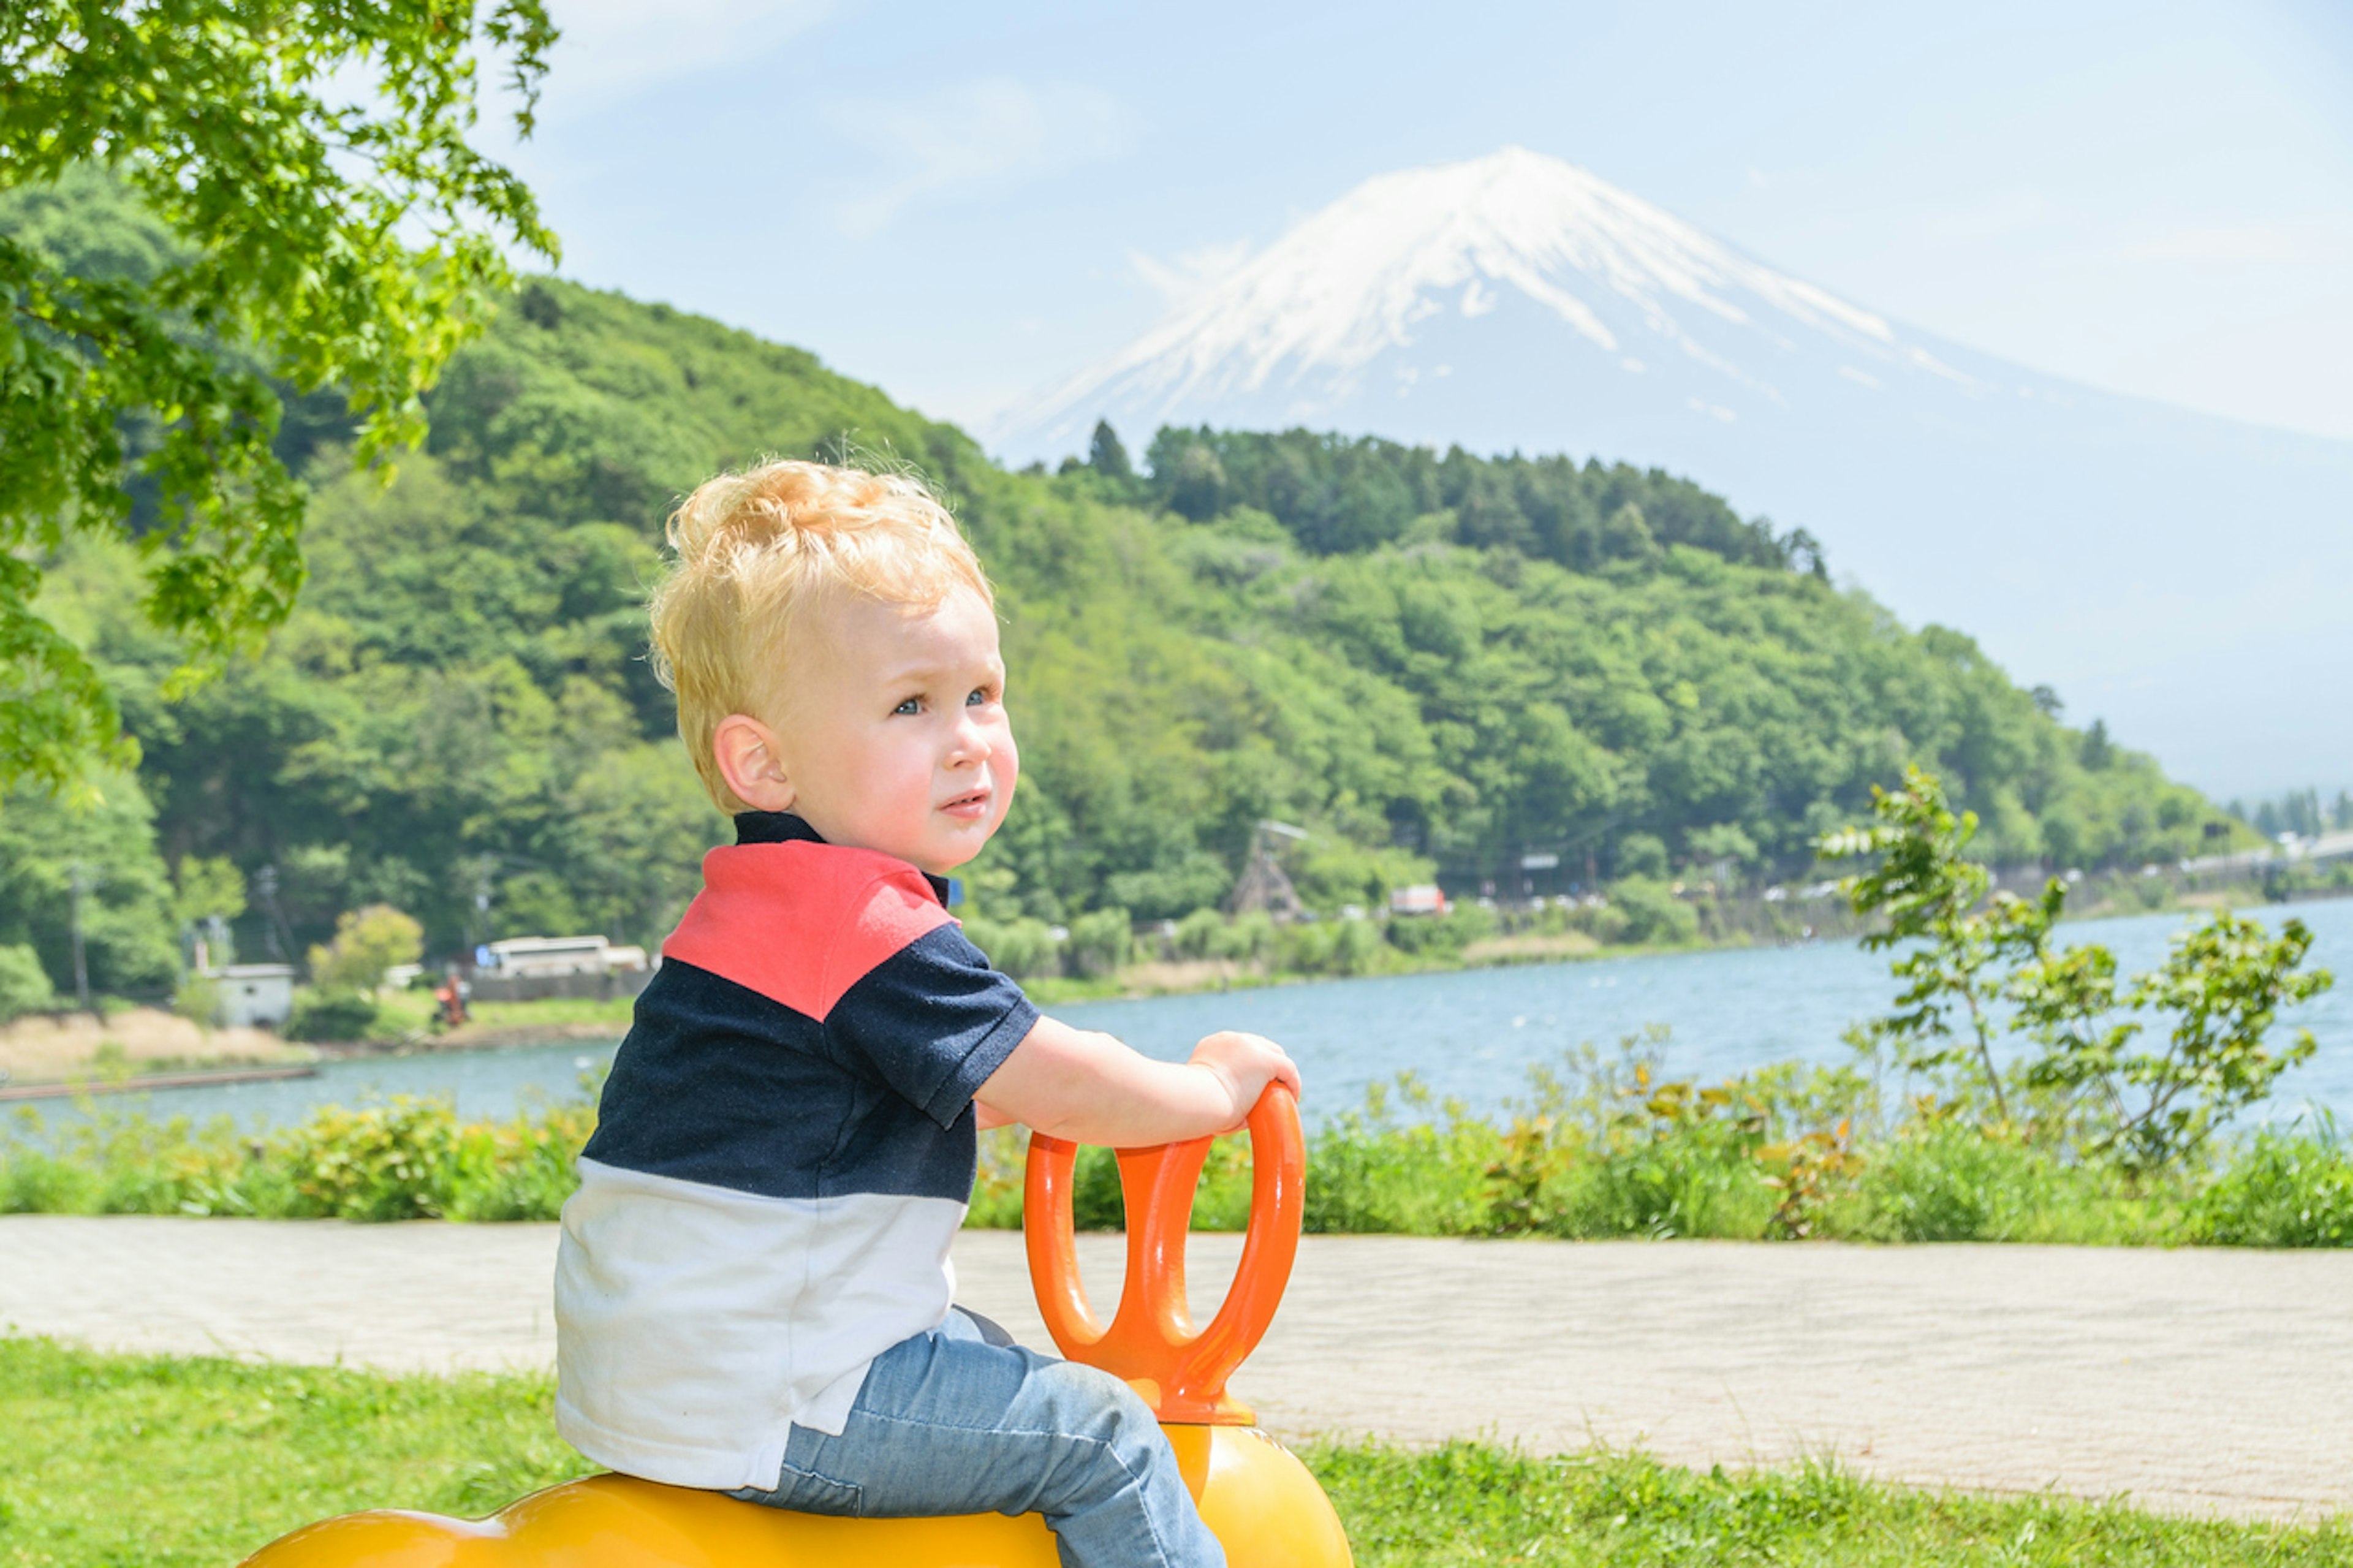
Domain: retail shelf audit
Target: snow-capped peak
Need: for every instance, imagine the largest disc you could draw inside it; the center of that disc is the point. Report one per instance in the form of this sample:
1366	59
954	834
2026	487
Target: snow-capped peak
1368	274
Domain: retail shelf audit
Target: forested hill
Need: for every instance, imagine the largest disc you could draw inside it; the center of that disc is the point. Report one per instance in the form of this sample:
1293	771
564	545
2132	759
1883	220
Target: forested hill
1430	663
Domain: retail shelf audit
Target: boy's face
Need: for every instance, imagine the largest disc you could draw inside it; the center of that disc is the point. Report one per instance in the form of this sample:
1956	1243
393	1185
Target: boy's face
893	734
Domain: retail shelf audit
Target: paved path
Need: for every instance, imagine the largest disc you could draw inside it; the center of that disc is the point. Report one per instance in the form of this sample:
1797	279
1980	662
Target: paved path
2207	1381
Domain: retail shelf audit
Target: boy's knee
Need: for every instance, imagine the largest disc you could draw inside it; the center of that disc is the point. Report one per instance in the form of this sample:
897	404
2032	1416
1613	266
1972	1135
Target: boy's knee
1089	1402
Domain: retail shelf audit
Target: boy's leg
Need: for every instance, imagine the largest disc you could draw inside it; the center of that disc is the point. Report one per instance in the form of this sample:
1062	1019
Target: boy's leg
947	1424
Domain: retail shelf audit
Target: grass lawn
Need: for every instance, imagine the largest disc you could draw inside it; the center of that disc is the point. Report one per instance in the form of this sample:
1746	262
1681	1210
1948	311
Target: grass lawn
136	1460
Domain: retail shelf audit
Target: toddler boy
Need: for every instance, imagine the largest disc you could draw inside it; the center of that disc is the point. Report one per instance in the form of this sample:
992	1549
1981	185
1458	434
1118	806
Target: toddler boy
753	1287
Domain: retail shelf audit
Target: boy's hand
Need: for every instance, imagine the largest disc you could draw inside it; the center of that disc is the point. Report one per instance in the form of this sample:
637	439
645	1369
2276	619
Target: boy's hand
985	1117
1090	1089
1245	1064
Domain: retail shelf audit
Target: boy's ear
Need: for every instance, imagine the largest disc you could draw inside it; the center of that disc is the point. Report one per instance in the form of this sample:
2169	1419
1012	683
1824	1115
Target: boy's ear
752	763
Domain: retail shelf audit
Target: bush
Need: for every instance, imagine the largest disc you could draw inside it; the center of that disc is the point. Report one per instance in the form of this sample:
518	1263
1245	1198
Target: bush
2284	1190
333	1017
1245	939
1100	942
24	985
1200	934
197	998
367	942
1020	947
405	1159
1329	947
1653	914
1953	1181
1369	1174
1440	936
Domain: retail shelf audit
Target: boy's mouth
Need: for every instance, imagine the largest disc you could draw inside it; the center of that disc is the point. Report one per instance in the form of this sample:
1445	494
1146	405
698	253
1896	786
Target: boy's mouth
970	805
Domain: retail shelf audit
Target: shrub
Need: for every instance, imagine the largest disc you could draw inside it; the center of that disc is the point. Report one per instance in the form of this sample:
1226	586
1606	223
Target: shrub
1369	1174
1020	947
1330	947
197	998
367	942
24	985
1100	942
2284	1190
1200	934
1440	936
332	1017
1948	1179
1653	914
1245	939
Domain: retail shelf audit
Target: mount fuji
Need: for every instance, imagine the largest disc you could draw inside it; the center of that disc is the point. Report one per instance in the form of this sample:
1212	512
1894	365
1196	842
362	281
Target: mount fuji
2182	576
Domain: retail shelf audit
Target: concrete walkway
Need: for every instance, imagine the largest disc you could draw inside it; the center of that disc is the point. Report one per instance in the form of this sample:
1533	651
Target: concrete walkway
2212	1382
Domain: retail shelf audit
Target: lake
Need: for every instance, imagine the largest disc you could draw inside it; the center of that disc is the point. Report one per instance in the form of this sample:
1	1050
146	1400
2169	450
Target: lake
1470	1034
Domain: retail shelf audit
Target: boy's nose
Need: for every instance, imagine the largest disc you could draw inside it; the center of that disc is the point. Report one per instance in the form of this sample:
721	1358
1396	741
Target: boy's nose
970	743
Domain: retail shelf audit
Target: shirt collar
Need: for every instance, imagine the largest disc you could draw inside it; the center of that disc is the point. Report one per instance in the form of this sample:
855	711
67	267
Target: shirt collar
784	827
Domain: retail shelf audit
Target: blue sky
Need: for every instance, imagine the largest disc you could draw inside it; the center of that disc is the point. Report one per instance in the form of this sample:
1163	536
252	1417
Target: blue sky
961	202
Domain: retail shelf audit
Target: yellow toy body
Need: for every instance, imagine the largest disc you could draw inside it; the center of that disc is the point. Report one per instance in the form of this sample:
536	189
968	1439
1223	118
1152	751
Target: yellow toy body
1253	1494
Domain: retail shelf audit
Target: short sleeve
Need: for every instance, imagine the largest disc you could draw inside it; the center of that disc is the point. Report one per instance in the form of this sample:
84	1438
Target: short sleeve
934	1021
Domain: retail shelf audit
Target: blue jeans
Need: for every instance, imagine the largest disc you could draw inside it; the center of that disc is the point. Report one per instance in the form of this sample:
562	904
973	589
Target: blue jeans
950	1424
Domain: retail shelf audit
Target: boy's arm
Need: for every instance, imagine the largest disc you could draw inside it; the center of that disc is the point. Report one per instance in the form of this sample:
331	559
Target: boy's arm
1090	1088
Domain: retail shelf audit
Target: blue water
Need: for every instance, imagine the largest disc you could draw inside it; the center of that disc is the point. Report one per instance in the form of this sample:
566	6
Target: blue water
1471	1035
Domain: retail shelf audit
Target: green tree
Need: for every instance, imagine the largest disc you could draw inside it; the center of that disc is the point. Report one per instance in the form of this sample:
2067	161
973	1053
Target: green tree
2224	982
367	942
48	844
24	985
207	890
1106	455
1934	898
321	242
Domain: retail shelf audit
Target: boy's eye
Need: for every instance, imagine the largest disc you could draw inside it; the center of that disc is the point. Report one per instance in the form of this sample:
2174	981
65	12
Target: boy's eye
977	698
912	705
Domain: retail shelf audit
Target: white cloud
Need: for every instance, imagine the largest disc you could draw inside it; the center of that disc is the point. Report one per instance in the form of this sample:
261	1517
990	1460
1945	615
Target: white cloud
612	49
980	134
1188	275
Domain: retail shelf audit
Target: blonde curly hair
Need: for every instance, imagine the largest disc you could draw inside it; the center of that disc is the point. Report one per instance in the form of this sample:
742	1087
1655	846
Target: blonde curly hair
753	549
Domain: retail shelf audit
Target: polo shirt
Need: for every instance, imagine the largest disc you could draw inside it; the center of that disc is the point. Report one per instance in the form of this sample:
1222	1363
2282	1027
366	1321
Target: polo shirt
784	1151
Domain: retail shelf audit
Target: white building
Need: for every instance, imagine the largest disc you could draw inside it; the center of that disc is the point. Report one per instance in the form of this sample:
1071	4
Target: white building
528	968
253	994
539	957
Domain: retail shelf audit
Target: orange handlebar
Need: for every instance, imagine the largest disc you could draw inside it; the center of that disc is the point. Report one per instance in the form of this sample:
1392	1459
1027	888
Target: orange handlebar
1151	1341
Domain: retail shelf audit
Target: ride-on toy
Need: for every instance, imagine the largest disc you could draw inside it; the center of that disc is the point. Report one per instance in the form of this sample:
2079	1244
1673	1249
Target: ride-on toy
1255	1496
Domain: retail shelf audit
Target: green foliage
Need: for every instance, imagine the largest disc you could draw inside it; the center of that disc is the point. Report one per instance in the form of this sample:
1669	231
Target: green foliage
1100	942
1949	1180
1933	897
1339	947
1464	1503
207	889
367	942
333	1017
1020	947
2224	982
239	1452
1337	494
1603	1148
459	705
128	932
1442	936
2284	1189
405	1159
234	1453
24	985
324	243
1652	912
